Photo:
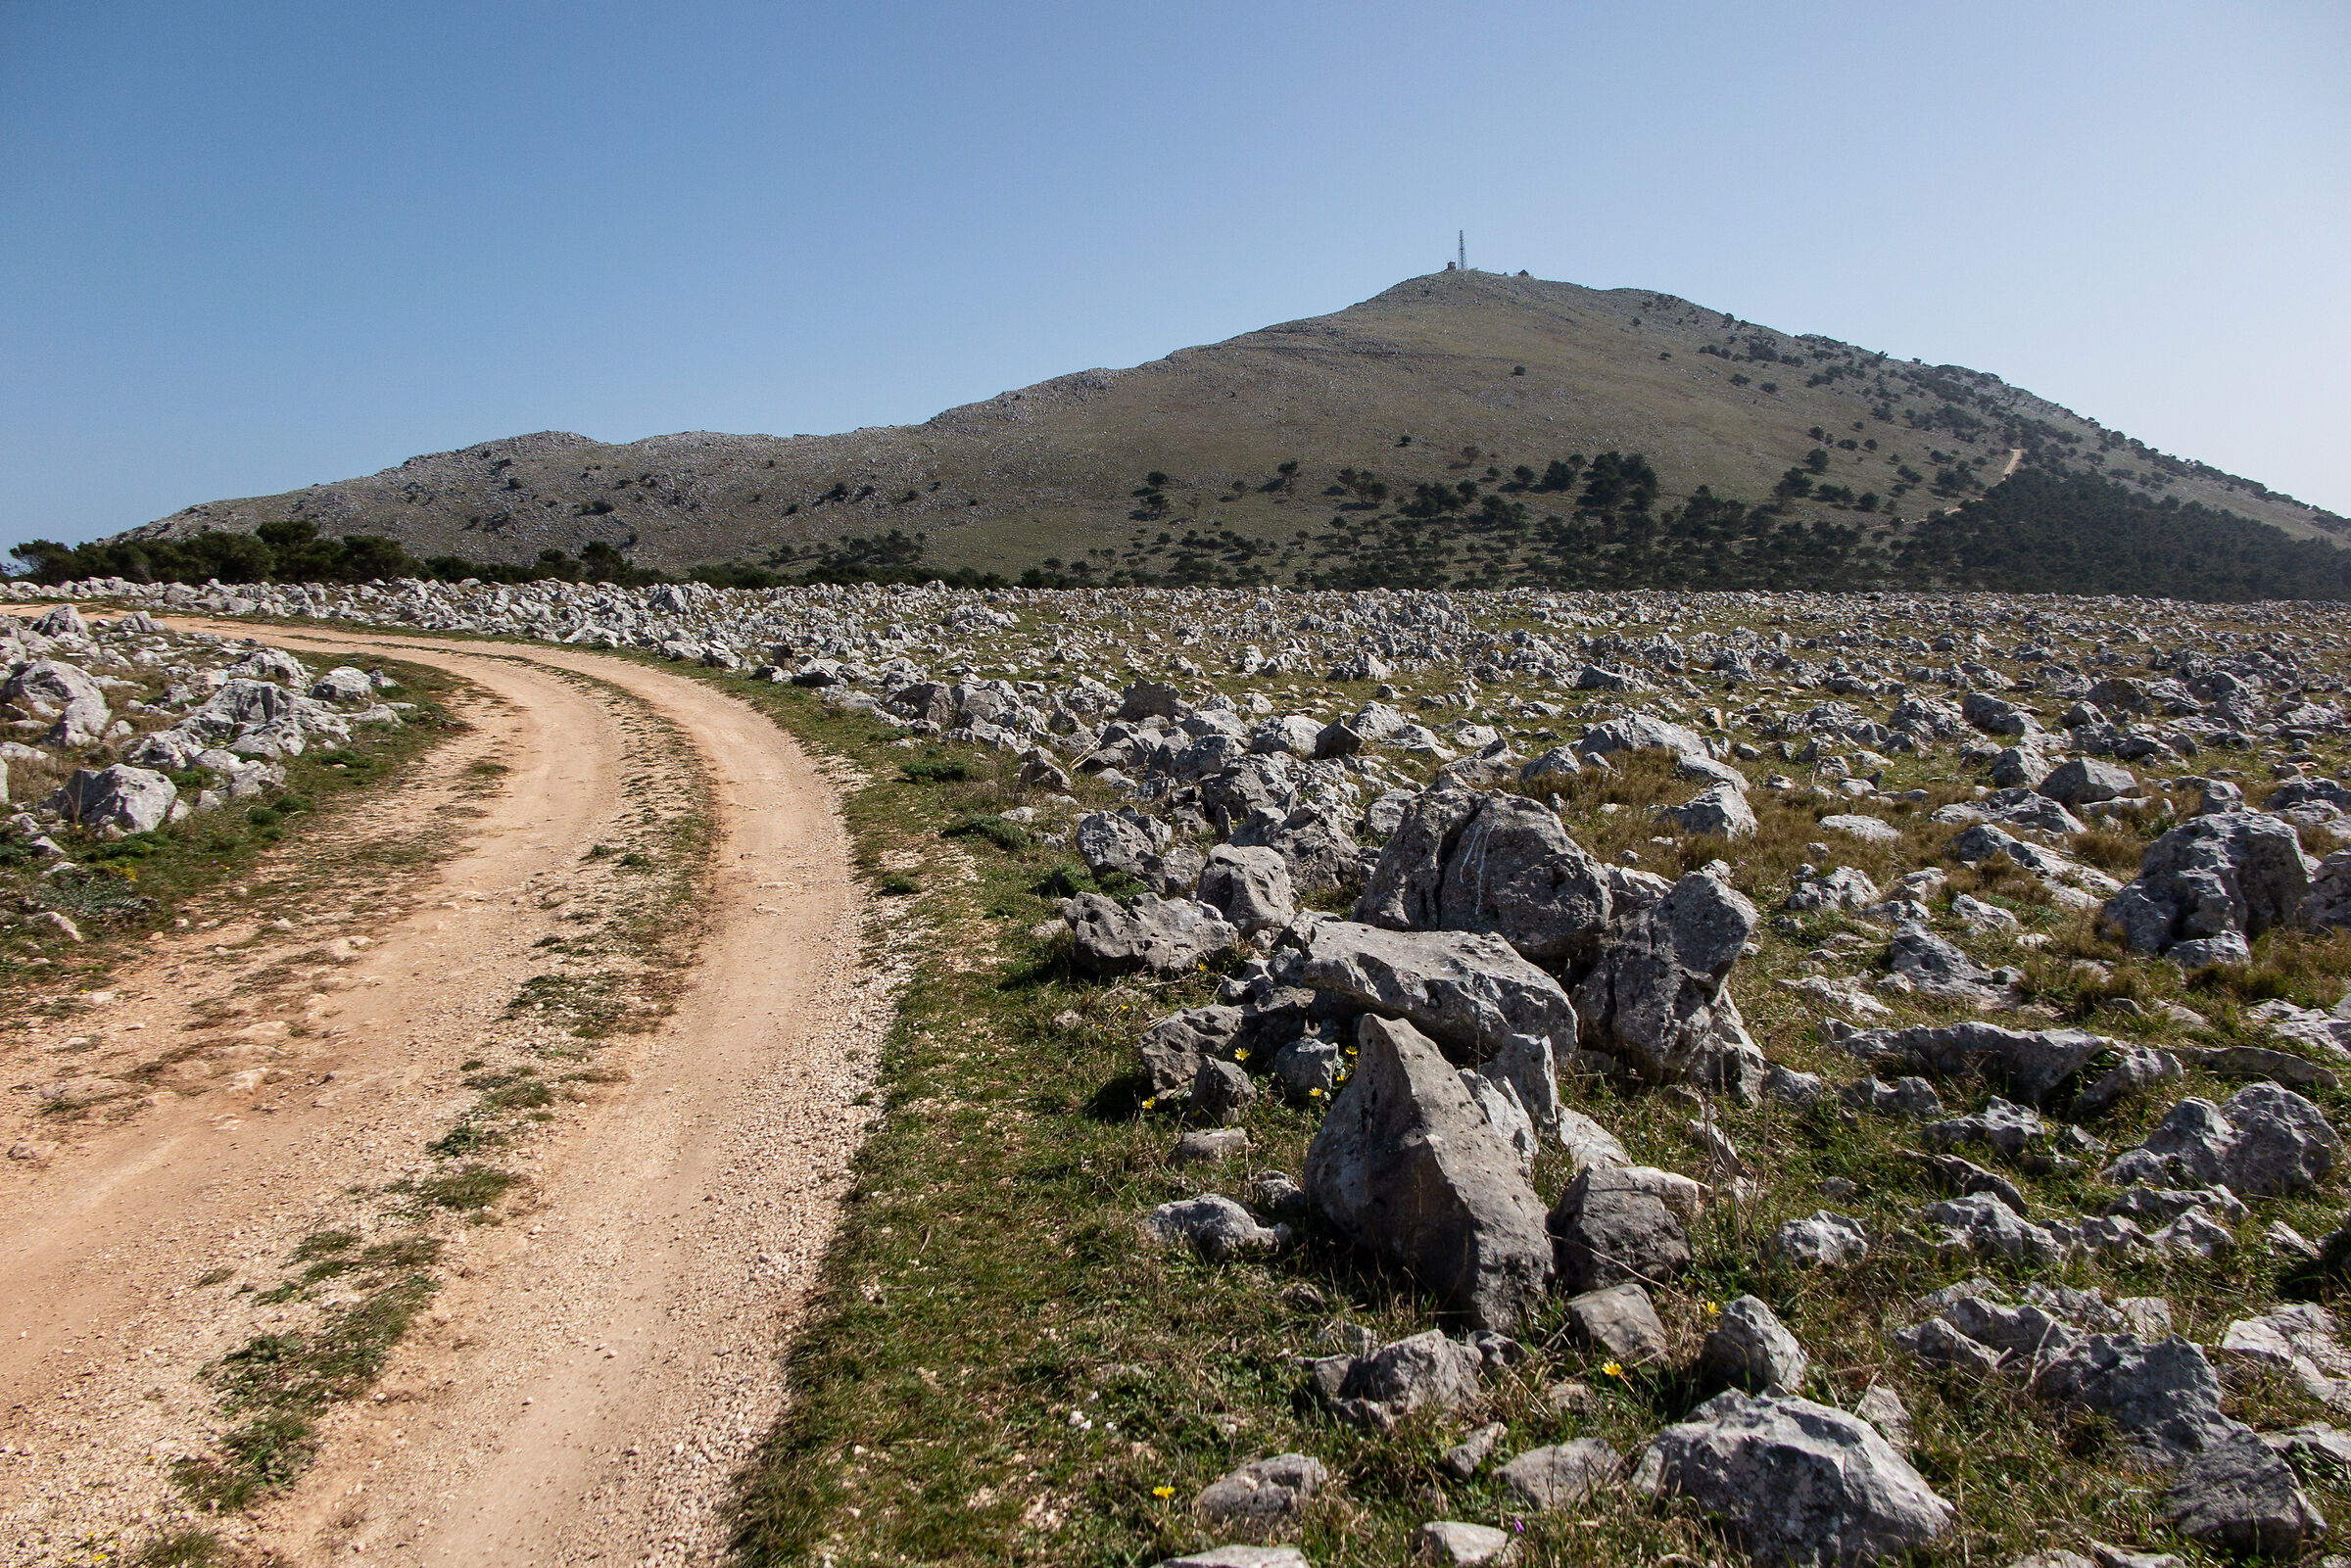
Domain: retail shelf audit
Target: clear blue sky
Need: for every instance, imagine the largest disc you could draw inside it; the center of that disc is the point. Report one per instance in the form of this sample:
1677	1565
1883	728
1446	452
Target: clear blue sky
253	246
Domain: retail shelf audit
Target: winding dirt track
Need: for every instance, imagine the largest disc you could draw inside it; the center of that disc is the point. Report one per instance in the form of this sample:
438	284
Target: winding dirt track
591	1373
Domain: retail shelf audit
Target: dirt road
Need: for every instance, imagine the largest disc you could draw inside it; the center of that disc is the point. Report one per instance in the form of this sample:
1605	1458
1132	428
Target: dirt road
593	1367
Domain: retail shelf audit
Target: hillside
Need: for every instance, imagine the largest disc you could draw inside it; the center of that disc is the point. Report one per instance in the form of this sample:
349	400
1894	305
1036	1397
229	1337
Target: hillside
1453	377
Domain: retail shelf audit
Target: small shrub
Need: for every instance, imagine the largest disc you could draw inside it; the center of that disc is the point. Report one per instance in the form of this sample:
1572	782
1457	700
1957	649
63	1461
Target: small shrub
474	1188
2113	849
1008	836
897	884
936	770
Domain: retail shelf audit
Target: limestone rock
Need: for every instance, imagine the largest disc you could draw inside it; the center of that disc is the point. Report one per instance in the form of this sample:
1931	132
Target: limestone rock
1263	1498
1751	1348
1217	1227
1562	1476
1406	1166
2264	1141
1612	1229
1796	1482
2241	1498
1163	936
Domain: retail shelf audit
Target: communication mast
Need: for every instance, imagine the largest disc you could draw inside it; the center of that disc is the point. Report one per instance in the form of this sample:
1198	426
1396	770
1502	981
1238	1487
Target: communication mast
1461	238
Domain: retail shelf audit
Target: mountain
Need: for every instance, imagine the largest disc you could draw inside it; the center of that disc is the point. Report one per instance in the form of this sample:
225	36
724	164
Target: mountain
1301	447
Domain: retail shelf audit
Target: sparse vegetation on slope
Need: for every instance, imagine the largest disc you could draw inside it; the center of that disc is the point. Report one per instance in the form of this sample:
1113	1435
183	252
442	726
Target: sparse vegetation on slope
1427	369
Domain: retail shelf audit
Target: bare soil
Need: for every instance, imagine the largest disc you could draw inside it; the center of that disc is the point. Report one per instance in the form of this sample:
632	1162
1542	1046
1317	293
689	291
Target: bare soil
599	1359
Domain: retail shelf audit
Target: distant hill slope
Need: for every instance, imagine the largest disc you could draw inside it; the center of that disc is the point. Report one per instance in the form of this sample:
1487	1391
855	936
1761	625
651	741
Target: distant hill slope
1456	376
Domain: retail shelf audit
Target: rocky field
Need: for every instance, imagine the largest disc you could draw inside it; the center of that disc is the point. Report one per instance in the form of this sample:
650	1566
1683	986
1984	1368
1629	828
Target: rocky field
1576	1078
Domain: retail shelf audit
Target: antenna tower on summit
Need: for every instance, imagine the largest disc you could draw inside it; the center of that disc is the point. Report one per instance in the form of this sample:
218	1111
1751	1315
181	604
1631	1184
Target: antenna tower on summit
1461	238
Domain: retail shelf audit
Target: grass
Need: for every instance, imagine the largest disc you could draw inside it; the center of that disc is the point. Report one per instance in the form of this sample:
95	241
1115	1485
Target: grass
280	1383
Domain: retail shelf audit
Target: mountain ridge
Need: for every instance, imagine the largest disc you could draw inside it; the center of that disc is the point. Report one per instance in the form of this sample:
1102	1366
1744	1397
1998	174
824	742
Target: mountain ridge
1443	377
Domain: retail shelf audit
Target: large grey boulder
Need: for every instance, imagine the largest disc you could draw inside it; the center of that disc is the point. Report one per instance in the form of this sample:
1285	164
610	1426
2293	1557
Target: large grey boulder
2230	875
1513	869
1312	841
1263	1498
2164	1398
1720	809
1163	936
131	800
1461	861
1751	1348
2085	781
1123	841
1470	991
1405	1167
2264	1141
1250	886
1936	967
2327	905
1654	1000
1214	1226
1404	890
2241	1496
1795	1482
1426	1371
1640	732
51	689
1611	1228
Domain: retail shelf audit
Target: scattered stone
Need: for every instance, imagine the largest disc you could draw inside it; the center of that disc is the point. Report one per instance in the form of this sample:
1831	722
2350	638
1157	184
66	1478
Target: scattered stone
1211	1146
1562	1476
2264	1141
1464	1458
1219	1228
1825	1241
1794	1480
1620	1322
1884	1409
2163	1396
1162	937
1451	1541
1221	1093
1239	1556
1751	1348
127	799
2230	875
1263	1498
2241	1498
1428	1371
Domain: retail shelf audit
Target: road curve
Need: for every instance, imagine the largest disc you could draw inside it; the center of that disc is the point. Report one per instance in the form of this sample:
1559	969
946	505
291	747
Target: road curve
589	1375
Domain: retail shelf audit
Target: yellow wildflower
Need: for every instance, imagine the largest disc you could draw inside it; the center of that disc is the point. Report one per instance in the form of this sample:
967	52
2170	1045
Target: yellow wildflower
1611	1369
1241	1056
1148	1104
1163	1491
